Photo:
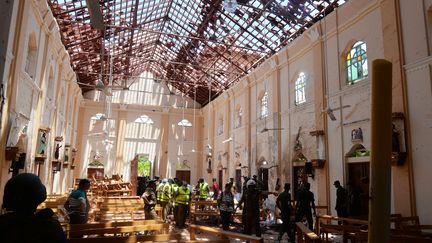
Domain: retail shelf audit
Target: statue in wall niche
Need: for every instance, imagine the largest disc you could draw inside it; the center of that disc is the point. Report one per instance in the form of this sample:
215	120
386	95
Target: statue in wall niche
42	143
395	139
298	147
57	151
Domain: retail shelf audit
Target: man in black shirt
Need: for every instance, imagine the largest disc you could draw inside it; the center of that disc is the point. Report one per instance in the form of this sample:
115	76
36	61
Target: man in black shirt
341	200
283	202
305	202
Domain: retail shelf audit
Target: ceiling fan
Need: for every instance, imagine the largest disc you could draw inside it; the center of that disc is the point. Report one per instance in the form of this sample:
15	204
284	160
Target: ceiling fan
330	113
265	129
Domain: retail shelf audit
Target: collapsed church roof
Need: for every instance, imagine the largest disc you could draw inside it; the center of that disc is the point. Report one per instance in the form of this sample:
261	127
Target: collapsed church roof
190	45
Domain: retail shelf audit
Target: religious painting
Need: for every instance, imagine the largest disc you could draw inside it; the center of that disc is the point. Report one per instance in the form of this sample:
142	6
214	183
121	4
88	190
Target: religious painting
357	135
42	141
144	165
66	154
57	147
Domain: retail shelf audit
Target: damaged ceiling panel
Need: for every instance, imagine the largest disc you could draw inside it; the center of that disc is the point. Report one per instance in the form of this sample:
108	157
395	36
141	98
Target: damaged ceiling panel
190	45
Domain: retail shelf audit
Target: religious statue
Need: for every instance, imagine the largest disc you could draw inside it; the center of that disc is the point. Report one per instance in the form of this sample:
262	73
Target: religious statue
42	143
57	151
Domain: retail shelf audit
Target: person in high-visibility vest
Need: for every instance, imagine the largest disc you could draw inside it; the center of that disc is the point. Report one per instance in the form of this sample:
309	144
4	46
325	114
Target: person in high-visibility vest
165	198
182	199
159	190
174	189
204	189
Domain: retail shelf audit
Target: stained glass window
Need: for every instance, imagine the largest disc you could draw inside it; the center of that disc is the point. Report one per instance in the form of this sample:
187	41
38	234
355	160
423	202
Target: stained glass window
356	62
300	91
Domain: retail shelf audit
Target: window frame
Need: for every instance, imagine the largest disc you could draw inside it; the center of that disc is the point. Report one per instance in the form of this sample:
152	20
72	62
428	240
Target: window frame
352	65
300	89
264	108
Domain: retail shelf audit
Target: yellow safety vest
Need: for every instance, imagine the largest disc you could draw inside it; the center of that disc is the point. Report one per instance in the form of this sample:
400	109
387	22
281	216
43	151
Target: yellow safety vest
166	193
183	196
159	190
204	190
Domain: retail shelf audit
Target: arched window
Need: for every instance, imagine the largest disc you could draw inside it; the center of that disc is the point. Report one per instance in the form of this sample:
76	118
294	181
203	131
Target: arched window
238	117
184	123
356	62
264	106
144	120
98	116
220	127
300	89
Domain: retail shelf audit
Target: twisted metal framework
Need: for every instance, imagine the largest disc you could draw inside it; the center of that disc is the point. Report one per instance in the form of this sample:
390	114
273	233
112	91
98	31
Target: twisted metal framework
184	43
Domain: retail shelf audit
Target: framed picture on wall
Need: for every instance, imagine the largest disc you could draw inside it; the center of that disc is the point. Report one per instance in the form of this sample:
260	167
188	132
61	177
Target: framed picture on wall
42	142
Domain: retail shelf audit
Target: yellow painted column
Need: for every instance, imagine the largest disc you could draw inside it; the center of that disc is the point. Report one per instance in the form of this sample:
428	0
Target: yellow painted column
163	155
121	132
380	191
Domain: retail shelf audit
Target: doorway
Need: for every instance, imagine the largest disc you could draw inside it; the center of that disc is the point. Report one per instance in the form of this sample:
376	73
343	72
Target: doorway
358	178
220	178
183	175
238	180
263	177
299	178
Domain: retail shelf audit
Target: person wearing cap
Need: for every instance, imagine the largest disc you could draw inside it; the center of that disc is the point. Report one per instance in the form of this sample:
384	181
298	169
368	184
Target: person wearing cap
203	189
305	203
182	199
149	198
20	224
283	202
341	200
165	198
159	190
251	197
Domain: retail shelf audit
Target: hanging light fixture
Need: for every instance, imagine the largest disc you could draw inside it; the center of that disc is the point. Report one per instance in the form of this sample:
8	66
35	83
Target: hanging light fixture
230	5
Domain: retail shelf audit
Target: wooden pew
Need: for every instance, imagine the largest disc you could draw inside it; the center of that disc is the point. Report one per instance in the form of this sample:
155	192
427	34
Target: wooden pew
401	222
128	239
203	208
80	227
304	234
222	233
349	229
160	228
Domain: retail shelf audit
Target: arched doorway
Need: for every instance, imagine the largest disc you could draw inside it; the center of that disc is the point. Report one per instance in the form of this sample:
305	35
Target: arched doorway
358	174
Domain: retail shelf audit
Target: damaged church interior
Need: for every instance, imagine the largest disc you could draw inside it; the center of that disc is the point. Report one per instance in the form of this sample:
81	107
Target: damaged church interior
215	120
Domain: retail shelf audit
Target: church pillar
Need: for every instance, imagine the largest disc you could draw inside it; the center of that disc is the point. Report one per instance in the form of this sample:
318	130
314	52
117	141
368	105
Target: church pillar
120	132
163	156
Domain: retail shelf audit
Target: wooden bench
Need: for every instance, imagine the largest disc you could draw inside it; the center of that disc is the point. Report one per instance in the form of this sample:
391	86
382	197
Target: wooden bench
304	234
349	229
128	239
159	228
222	233
122	208
203	208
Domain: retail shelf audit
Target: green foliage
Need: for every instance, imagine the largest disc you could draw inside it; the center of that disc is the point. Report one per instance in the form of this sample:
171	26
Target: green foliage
144	166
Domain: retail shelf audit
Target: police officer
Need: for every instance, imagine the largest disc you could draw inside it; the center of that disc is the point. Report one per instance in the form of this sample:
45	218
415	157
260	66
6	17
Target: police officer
159	190
341	200
283	202
165	198
305	202
149	197
174	190
182	199
203	189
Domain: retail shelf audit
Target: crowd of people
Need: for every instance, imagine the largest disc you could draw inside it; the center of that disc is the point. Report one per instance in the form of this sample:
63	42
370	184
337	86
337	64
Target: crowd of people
24	192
